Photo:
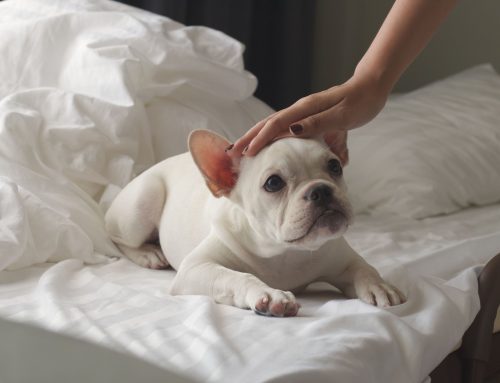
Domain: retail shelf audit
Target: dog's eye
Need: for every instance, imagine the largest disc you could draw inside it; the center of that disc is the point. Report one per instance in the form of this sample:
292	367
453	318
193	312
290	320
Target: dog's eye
334	167
274	184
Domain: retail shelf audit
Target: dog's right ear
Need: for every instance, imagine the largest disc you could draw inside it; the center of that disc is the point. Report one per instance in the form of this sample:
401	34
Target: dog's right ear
208	150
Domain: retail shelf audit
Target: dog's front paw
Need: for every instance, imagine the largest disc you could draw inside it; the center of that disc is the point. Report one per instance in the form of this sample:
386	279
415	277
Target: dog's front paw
275	303
381	294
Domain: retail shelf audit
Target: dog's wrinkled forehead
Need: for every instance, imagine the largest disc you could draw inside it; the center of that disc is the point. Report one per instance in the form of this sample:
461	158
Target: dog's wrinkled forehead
290	154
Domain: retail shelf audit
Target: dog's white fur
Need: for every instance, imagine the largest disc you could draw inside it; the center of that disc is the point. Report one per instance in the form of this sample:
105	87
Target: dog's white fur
251	247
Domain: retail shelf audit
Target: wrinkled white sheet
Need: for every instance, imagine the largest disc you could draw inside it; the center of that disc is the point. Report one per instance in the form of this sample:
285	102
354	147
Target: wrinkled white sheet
90	93
128	308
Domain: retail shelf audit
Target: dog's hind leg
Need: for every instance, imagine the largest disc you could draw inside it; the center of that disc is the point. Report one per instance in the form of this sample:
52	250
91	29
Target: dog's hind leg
147	255
133	219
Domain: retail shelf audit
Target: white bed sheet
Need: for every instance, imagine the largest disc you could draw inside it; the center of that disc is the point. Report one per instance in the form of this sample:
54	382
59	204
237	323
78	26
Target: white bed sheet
85	87
128	308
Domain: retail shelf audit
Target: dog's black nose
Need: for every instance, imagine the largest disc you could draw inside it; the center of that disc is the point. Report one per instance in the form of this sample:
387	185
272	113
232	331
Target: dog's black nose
319	195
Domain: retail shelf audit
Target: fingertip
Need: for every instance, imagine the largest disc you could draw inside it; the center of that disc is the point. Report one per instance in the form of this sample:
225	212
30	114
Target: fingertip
254	146
250	151
236	147
239	146
243	142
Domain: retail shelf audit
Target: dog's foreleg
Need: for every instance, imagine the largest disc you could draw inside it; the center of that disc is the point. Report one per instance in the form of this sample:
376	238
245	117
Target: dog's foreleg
360	280
201	273
133	218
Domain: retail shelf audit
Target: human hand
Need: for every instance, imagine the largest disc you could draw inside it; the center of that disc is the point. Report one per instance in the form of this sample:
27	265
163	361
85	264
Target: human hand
330	113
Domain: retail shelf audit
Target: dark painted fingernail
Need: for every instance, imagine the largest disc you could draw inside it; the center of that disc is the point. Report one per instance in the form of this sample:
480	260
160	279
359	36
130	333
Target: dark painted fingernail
229	148
296	129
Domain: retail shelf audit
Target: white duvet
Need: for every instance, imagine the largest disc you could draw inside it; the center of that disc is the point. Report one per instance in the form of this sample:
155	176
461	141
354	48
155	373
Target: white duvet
77	79
92	93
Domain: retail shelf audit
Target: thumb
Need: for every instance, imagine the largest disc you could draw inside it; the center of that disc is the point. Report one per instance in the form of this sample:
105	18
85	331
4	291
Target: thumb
337	142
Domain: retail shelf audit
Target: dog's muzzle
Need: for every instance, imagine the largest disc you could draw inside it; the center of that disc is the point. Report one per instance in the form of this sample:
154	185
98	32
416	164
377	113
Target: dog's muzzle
320	195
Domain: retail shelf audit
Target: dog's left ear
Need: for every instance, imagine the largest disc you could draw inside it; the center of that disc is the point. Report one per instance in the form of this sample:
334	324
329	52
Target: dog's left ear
337	142
217	167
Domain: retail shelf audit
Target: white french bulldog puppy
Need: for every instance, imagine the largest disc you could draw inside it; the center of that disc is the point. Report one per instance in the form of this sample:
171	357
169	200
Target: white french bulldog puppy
265	226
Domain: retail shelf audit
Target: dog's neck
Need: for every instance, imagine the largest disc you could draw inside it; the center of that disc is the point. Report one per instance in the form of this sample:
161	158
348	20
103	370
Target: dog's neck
247	241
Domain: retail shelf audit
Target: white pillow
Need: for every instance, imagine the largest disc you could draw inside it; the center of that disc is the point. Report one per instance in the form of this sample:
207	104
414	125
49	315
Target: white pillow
432	151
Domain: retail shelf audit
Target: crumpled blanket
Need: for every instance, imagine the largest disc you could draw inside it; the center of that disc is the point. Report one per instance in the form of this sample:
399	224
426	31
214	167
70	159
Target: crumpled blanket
76	81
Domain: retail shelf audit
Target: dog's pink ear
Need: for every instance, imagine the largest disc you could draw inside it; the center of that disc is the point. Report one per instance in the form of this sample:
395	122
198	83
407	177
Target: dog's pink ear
337	142
217	167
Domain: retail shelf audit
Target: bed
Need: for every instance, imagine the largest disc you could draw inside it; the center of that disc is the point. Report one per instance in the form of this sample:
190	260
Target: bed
94	92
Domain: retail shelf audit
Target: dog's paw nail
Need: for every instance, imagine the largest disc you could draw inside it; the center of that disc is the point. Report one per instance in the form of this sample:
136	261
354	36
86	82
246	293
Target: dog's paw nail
292	309
262	306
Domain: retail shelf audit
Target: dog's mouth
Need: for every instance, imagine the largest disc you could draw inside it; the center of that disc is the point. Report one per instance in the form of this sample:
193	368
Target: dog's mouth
330	220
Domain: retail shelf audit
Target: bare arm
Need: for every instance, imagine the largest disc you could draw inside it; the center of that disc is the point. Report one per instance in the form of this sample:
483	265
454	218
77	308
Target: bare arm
406	30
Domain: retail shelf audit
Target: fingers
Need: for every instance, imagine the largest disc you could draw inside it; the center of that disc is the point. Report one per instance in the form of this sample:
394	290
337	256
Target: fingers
242	143
278	124
343	107
328	120
330	124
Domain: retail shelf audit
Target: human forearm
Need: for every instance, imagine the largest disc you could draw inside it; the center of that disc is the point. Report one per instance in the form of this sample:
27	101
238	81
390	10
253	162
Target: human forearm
406	30
331	113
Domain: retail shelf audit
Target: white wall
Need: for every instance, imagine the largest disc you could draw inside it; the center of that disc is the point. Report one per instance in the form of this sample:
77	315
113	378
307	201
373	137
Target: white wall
345	28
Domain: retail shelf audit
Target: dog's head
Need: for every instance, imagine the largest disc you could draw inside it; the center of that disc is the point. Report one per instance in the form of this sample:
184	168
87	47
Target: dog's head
292	192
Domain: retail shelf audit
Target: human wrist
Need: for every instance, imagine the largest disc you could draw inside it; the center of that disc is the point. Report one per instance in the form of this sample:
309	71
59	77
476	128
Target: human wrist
377	75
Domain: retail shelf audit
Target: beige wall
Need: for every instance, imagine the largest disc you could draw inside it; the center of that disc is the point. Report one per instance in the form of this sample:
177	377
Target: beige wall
345	28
